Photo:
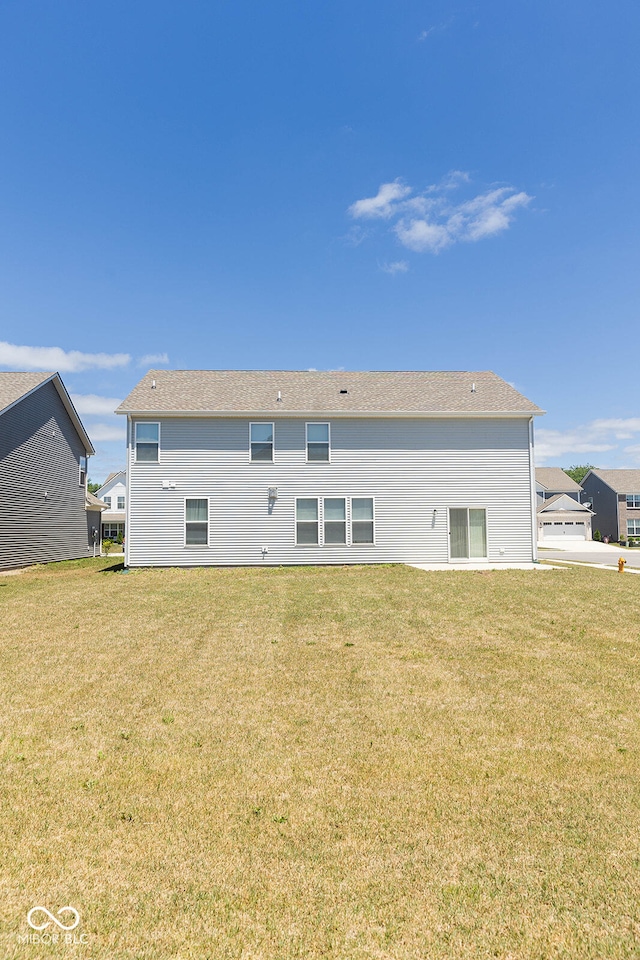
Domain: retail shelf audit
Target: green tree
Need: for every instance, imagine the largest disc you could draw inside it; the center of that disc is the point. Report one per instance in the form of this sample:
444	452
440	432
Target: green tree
92	487
578	471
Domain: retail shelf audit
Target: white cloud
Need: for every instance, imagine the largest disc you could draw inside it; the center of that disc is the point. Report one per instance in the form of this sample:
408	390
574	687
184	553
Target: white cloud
152	359
445	224
88	404
598	436
436	28
383	204
429	221
102	432
396	266
55	358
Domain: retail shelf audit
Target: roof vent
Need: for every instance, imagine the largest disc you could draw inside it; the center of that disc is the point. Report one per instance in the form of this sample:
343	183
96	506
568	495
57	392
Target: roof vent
473	388
153	384
279	396
344	391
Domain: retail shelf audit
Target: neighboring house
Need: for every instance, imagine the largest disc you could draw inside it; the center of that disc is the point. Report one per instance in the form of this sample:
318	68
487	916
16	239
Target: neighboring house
615	498
550	481
113	494
95	509
308	467
43	473
562	516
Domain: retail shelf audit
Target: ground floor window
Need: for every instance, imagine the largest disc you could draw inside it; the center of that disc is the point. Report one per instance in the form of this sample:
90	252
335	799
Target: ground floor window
633	528
111	531
334	520
468	533
196	522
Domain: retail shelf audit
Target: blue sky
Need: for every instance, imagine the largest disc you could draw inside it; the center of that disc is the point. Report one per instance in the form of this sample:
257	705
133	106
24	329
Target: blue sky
358	185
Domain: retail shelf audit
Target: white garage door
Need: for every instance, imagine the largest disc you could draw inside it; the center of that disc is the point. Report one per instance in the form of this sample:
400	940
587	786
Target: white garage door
568	530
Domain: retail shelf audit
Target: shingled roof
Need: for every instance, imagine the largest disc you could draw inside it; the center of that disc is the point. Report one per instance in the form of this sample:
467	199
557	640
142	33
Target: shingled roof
621	481
14	385
327	392
554	478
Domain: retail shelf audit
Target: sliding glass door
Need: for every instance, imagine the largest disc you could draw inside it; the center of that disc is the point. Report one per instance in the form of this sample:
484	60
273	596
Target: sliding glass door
468	533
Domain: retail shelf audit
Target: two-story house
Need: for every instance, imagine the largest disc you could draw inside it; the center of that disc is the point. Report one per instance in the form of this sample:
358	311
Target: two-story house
560	513
45	511
615	498
113	494
309	467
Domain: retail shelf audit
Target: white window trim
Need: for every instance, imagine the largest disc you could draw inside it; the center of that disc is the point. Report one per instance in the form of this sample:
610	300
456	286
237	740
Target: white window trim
320	522
135	441
315	423
196	546
273	444
348	520
467	507
362	496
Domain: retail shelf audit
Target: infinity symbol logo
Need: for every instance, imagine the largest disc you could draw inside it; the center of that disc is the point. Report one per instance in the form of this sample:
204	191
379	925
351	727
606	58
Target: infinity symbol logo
43	926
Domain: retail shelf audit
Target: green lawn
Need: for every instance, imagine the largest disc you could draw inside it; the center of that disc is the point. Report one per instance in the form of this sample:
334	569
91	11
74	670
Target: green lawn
362	762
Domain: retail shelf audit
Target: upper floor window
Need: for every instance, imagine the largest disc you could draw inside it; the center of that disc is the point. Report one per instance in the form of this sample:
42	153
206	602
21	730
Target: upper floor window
261	441
107	500
82	472
318	441
633	499
147	442
120	503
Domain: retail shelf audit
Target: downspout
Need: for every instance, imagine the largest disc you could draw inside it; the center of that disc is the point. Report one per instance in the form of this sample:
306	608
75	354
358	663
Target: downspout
532	484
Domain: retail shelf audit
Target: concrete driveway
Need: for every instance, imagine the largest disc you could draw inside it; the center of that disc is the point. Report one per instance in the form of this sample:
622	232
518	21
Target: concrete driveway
588	551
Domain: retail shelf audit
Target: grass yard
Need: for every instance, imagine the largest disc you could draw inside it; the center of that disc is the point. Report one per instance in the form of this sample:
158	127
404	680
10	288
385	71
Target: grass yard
349	763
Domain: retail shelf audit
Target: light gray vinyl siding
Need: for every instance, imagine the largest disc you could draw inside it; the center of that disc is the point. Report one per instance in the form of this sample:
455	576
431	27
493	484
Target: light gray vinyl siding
414	468
39	453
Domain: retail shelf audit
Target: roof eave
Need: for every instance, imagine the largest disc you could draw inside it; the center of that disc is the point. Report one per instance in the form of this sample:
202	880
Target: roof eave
335	414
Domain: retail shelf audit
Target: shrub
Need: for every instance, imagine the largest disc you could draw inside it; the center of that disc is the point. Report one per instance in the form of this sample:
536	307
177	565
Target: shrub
120	539
597	535
106	545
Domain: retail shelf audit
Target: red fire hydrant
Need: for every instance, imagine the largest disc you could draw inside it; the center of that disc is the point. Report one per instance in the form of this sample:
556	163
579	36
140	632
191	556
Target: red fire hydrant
621	564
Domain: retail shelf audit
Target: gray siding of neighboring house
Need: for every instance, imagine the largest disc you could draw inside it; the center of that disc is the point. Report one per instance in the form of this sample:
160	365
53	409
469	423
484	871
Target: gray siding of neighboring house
94	522
604	504
40	452
414	468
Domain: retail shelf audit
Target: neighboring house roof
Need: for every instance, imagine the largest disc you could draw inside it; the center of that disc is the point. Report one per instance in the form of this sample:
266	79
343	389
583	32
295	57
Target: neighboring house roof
554	478
112	476
111	481
620	481
92	503
114	517
563	503
14	386
329	392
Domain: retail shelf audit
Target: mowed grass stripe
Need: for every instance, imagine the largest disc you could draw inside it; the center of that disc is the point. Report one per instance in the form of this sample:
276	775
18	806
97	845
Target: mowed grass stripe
322	762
